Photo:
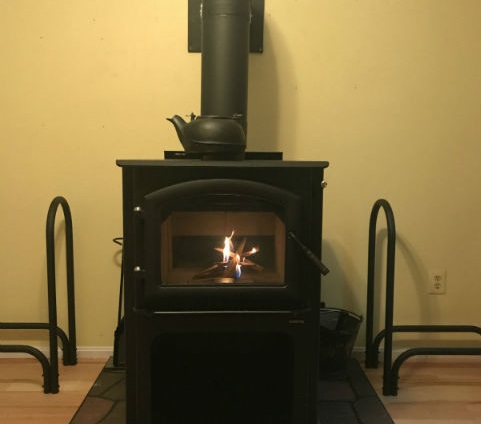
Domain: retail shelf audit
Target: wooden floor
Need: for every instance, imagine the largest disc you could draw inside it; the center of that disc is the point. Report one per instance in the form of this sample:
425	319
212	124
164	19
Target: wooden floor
432	390
22	400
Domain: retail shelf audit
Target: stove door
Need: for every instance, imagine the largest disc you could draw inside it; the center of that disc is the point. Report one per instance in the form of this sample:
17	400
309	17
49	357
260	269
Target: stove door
220	241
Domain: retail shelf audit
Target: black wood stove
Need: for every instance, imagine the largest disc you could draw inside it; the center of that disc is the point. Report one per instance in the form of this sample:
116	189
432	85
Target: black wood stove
221	300
221	292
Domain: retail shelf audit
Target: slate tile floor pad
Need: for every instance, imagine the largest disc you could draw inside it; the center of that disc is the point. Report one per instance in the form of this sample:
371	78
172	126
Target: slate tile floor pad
345	397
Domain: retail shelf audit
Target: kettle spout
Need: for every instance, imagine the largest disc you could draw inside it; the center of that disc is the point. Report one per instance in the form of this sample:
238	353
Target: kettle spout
179	125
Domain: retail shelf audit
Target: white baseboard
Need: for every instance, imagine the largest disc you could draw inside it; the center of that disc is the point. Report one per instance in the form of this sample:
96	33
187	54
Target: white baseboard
95	351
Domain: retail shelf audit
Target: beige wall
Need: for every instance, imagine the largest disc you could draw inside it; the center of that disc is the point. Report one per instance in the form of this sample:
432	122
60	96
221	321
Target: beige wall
388	91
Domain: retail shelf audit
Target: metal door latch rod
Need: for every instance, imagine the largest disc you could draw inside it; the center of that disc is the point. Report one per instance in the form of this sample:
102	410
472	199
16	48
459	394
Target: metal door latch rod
324	270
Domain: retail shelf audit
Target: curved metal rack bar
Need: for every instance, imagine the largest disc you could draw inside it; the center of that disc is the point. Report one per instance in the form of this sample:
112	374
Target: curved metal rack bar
50	367
391	370
391	251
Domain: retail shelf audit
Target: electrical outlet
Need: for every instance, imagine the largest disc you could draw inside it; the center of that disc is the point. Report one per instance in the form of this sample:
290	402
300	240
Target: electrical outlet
437	281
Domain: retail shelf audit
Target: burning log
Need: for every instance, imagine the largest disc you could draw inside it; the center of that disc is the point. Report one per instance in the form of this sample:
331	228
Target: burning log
233	261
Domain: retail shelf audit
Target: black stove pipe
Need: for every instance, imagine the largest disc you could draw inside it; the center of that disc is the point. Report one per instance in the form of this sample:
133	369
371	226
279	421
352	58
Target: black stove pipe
220	130
225	58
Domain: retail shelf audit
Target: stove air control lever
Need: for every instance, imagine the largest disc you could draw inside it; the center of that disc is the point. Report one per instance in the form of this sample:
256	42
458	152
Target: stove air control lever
310	254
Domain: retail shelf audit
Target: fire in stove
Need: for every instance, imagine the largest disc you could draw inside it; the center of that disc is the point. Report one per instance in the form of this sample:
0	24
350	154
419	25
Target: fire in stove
200	248
230	269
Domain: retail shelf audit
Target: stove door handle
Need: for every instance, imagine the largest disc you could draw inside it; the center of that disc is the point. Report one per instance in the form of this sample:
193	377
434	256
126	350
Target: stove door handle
324	270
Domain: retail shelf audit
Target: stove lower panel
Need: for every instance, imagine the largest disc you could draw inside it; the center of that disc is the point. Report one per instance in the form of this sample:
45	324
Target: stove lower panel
243	377
217	368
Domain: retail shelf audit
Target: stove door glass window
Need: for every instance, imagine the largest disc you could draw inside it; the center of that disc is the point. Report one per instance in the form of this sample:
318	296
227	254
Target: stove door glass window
222	248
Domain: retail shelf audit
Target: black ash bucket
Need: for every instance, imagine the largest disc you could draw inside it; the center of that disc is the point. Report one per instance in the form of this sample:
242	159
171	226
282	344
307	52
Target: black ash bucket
338	331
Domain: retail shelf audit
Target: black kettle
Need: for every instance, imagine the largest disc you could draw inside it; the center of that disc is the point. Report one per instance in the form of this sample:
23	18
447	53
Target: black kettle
211	136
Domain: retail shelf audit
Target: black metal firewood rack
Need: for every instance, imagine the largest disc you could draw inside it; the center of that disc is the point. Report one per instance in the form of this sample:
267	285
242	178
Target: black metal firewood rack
69	347
391	370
